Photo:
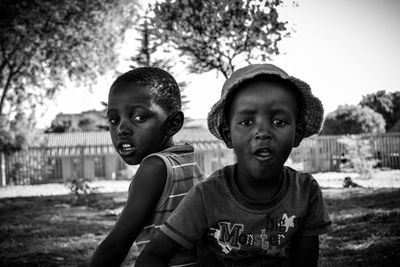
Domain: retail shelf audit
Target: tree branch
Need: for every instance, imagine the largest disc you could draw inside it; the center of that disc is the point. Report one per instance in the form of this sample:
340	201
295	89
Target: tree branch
5	90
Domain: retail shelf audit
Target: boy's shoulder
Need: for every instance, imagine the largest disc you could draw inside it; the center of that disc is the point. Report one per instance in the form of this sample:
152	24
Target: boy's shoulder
297	174
162	160
301	179
185	151
177	149
224	173
172	157
218	179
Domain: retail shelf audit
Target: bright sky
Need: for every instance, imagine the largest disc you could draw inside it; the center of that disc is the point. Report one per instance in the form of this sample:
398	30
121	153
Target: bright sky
343	48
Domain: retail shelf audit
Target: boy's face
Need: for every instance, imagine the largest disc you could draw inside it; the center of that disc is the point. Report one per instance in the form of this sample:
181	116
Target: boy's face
137	124
262	128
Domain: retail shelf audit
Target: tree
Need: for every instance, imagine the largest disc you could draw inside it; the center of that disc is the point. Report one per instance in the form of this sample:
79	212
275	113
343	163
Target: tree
91	120
43	42
59	126
387	104
217	34
350	119
150	54
14	135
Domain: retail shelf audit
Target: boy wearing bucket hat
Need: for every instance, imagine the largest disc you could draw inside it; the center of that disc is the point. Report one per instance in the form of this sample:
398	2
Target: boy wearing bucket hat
256	212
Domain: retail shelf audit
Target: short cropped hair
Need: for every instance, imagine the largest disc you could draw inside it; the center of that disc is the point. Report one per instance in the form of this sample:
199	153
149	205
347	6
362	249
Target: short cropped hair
163	88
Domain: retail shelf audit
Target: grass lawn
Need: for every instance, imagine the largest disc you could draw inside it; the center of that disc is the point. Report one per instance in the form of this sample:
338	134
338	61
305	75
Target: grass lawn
60	231
366	228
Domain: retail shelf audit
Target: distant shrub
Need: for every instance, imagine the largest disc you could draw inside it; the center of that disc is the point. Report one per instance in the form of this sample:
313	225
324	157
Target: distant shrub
358	153
350	119
387	104
80	186
83	192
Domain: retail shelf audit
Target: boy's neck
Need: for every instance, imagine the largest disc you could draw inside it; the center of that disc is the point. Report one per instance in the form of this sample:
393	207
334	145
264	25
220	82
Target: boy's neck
169	142
258	189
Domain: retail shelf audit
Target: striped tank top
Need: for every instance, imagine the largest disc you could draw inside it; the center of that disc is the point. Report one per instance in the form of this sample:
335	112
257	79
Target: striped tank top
182	174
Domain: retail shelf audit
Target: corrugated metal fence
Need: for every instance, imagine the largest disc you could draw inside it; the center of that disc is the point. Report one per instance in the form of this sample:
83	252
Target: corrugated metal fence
43	164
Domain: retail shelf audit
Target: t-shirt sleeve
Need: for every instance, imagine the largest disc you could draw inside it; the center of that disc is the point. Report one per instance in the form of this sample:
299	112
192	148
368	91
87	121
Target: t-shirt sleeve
317	220
188	222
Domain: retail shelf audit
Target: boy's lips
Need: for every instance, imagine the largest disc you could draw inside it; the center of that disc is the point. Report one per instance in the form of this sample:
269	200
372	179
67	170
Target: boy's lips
126	149
262	154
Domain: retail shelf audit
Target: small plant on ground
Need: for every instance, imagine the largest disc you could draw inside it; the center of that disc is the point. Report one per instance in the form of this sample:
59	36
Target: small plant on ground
83	191
358	153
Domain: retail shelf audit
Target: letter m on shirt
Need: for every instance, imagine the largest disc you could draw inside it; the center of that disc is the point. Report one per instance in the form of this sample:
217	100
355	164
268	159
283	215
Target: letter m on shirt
230	234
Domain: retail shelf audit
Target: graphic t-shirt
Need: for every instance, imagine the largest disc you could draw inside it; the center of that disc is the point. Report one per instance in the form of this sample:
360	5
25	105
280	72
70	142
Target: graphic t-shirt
231	230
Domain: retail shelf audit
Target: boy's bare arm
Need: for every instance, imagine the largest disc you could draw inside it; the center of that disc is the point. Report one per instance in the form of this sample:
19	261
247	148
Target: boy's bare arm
158	252
145	191
304	251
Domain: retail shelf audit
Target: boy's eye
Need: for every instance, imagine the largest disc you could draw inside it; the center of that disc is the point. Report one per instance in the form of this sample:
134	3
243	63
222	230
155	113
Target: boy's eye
246	123
139	118
113	121
279	123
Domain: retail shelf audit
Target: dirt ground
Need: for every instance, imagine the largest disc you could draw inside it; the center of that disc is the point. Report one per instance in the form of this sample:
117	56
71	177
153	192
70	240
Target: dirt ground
53	189
62	230
381	179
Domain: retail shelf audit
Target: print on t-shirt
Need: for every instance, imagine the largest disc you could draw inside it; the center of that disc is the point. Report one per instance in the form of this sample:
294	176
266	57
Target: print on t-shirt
232	236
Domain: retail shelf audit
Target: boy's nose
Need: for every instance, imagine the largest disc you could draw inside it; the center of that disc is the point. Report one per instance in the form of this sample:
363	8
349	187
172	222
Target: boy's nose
262	132
124	129
262	135
124	132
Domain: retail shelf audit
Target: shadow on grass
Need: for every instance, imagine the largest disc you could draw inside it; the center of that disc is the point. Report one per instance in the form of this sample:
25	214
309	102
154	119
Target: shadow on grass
366	228
362	197
59	231
54	230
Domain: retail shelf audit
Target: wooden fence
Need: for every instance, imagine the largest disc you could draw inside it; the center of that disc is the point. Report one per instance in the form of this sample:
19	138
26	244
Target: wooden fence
315	154
325	153
25	166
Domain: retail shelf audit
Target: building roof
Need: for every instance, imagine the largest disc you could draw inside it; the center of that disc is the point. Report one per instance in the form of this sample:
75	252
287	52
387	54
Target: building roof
76	139
99	142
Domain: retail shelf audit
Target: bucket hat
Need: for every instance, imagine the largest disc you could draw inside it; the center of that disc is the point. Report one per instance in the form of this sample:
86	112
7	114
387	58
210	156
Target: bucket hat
312	109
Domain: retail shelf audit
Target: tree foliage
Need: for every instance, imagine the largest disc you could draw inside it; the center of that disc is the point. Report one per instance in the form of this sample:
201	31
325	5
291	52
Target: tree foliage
86	121
144	56
15	135
43	42
350	119
216	34
150	53
386	104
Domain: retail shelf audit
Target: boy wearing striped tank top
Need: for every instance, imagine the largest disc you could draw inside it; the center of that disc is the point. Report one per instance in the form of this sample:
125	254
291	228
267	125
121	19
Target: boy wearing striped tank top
144	113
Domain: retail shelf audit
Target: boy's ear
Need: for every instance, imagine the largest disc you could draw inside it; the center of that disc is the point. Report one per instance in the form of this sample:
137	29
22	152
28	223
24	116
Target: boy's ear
174	122
298	136
226	135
